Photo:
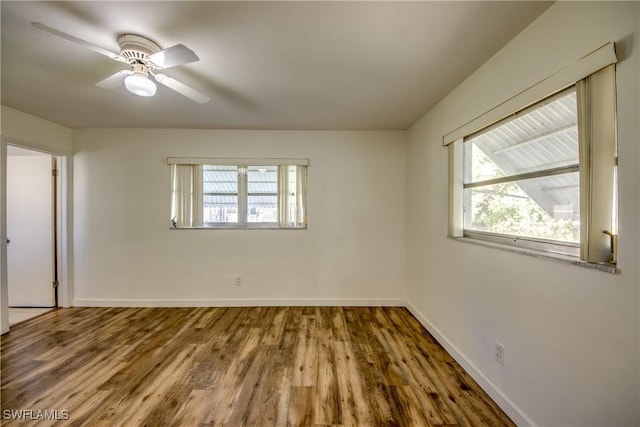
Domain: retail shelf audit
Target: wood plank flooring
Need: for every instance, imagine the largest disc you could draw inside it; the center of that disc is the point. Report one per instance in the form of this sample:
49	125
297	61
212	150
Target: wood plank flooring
20	314
260	366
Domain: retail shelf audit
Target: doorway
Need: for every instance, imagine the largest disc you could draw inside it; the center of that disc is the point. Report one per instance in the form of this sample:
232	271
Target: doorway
31	233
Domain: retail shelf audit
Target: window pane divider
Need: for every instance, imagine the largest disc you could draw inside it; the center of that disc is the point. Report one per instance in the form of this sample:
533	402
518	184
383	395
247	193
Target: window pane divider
529	175
242	195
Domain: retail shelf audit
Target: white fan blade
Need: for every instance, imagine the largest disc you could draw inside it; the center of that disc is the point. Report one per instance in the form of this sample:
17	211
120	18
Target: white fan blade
172	56
114	81
182	88
84	43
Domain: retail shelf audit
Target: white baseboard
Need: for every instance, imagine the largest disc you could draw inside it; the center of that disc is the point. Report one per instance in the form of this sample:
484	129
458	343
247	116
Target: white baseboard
516	415
293	302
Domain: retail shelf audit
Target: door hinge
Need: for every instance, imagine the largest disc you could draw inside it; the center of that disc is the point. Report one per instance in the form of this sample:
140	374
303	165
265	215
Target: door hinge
56	284
54	172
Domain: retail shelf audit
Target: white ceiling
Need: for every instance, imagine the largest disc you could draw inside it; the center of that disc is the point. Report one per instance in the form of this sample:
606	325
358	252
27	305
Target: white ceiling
265	65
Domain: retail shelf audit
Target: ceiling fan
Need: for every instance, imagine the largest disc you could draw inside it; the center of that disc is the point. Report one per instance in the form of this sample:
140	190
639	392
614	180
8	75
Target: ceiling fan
144	58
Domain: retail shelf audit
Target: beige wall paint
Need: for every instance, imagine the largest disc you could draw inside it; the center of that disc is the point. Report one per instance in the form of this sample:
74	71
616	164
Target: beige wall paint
352	252
571	334
21	128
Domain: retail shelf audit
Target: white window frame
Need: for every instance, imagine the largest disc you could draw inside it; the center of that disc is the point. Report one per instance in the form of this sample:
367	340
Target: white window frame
594	77
188	193
547	245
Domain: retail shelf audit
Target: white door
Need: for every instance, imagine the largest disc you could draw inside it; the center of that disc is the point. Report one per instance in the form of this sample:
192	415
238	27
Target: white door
29	229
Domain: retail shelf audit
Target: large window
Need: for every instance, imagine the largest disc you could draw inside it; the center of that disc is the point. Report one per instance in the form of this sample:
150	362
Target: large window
544	177
213	193
521	175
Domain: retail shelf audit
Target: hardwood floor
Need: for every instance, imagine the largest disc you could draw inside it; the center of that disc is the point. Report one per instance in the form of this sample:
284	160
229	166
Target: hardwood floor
261	366
20	314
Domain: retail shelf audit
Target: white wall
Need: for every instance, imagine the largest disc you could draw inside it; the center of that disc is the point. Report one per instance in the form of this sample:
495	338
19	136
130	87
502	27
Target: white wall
352	252
29	226
571	333
21	128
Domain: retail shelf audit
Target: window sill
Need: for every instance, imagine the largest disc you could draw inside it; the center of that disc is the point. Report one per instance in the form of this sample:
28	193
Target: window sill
605	267
238	228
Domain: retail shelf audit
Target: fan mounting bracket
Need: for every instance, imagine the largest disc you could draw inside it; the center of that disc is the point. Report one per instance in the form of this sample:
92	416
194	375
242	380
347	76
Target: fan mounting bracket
137	49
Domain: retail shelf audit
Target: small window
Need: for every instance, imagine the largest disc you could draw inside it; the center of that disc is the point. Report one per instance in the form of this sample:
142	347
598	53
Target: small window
238	196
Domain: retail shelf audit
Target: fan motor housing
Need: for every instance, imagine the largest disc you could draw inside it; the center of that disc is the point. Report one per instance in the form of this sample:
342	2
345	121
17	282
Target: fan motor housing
137	48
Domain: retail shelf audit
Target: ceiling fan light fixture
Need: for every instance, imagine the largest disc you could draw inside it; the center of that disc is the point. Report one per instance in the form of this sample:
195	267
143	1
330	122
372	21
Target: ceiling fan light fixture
140	85
143	56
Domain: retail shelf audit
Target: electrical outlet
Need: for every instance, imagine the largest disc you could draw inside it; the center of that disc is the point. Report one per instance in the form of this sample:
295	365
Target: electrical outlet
238	281
499	352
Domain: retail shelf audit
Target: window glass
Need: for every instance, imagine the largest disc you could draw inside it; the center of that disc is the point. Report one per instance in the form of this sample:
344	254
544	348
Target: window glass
543	208
220	194
521	175
262	194
538	138
244	195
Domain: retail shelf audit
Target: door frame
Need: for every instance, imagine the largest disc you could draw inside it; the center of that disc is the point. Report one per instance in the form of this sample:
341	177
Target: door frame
64	225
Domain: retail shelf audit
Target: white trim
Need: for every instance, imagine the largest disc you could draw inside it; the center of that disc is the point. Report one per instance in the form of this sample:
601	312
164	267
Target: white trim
456	189
235	161
494	392
35	147
597	146
65	232
540	254
65	236
590	63
242	302
4	282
